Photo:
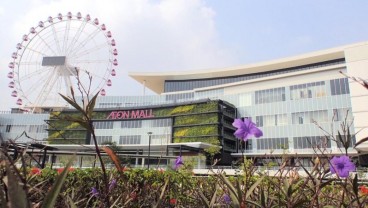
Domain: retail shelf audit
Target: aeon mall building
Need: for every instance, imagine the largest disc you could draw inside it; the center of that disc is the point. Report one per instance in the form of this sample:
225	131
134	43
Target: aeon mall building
295	101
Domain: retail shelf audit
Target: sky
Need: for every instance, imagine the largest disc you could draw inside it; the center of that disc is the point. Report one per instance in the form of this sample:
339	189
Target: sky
187	35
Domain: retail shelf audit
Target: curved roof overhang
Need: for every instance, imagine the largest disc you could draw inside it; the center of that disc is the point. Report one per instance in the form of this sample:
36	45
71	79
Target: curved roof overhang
155	80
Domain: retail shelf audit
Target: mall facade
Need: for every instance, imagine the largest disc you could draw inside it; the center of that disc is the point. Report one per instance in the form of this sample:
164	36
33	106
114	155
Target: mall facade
298	102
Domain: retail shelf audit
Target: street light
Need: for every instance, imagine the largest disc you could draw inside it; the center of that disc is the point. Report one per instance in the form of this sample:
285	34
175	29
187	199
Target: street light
149	148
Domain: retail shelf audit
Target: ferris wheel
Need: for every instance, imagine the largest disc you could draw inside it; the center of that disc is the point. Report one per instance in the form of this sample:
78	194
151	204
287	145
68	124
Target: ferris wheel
59	53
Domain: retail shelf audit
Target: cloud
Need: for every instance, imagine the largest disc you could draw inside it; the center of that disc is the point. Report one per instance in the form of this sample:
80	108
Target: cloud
151	35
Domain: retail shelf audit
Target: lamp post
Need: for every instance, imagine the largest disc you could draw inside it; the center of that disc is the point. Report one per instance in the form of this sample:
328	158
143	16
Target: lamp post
149	148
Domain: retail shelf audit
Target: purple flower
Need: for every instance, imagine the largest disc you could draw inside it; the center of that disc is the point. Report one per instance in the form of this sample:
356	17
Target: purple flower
112	184
178	162
94	192
226	199
341	166
246	129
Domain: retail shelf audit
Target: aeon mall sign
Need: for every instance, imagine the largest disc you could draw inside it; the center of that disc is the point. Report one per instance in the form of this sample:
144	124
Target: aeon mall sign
130	114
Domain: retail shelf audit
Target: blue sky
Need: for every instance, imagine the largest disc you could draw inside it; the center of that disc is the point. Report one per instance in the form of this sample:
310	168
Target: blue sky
261	30
185	35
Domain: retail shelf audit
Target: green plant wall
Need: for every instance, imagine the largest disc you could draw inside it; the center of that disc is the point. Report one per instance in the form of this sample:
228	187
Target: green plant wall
196	119
67	134
211	106
202	120
204	130
66	141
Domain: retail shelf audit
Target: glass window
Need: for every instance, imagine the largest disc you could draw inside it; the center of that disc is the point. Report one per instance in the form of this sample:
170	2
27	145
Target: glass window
103	125
342	113
272	143
102	139
8	128
311	142
259	121
130	139
270	95
160	122
339	86
309	90
181	85
310	117
131	124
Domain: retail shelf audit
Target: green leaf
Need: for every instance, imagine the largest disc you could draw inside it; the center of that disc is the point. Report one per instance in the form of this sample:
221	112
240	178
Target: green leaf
213	200
71	203
355	185
238	189
204	199
51	197
91	105
361	141
228	184
251	189
233	192
263	198
253	203
16	194
71	102
80	121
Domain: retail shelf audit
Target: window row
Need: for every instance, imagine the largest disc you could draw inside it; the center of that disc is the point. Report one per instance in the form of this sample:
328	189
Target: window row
311	142
270	95
104	125
133	123
272	120
130	139
320	116
20	128
272	143
342	114
182	85
339	86
310	90
102	140
37	128
160	138
179	96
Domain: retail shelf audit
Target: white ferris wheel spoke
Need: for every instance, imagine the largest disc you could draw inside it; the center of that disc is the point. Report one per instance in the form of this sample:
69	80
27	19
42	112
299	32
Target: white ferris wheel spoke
94	49
55	38
91	61
46	89
30	63
94	75
33	87
35	74
83	43
39	52
48	46
66	36
76	37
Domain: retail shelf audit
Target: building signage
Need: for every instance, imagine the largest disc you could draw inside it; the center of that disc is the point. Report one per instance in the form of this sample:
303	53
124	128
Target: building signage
130	114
